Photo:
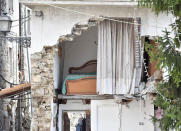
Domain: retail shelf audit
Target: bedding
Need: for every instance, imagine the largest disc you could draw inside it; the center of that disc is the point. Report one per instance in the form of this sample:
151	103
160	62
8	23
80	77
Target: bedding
81	81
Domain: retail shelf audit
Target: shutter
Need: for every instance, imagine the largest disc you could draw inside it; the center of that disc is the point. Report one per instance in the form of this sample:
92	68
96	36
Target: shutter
138	50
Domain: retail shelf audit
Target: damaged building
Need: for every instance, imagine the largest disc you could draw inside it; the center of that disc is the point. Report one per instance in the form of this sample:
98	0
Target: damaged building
92	66
89	69
15	105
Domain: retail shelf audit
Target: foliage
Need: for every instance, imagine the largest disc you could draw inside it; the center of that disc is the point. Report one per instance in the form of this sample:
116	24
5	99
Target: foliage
162	5
169	59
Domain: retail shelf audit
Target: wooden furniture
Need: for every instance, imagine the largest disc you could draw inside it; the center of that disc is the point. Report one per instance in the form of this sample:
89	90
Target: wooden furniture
86	85
88	67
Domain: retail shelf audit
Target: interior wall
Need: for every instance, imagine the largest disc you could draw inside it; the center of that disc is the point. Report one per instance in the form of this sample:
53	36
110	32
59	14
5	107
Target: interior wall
106	115
58	68
82	49
55	22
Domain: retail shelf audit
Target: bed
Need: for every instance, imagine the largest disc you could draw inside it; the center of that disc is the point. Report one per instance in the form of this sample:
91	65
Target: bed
81	80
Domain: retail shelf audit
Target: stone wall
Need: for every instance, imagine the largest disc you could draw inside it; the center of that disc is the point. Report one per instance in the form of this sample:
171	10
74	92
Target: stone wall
5	104
8	107
42	88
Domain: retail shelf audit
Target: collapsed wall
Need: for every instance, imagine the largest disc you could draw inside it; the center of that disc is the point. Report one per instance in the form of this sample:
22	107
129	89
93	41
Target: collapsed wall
42	88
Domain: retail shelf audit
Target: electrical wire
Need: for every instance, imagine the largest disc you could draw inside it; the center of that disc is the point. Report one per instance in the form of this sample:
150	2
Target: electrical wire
29	78
9	97
21	23
141	94
87	14
11	33
22	18
7	80
100	17
176	32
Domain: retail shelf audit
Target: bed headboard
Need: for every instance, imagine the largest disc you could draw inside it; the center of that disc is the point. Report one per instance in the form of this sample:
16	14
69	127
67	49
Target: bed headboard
88	67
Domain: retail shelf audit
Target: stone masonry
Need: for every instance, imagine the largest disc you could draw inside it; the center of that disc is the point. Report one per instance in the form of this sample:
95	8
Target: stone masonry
5	104
42	88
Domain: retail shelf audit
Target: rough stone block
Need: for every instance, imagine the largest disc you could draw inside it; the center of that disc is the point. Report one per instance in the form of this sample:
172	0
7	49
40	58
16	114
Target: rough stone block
42	87
46	91
35	86
36	78
35	71
36	56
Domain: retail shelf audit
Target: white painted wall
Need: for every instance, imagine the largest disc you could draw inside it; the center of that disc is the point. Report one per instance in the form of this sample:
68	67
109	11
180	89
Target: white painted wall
56	70
106	115
15	16
56	22
13	55
14	45
81	50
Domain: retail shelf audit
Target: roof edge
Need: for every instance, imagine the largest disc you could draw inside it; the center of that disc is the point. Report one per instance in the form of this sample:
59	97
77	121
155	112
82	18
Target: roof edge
94	3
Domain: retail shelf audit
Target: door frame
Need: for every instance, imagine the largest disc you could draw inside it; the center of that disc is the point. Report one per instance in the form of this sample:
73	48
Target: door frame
70	107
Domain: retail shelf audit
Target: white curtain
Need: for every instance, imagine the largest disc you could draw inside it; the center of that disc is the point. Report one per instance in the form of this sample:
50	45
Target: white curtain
116	71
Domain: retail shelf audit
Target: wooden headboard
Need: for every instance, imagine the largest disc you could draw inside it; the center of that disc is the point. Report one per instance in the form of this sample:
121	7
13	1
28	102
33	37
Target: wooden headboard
88	67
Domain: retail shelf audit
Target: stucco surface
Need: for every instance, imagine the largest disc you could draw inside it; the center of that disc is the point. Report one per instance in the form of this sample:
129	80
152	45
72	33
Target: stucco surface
56	22
110	116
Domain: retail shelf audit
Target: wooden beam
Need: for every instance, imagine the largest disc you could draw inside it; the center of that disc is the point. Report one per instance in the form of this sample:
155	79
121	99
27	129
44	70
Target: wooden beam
84	97
14	90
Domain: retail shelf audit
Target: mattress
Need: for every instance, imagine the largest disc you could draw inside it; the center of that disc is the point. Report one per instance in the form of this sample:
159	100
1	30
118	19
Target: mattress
79	84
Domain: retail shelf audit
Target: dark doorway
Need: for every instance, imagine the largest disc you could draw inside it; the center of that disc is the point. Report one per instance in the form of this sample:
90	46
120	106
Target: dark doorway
76	120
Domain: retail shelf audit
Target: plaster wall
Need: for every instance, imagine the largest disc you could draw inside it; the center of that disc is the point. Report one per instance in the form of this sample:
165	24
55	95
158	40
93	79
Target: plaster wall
75	54
15	16
106	115
56	22
81	50
58	70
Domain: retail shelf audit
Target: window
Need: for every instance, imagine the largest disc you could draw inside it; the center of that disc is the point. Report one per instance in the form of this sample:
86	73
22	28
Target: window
10	61
26	19
10	6
148	65
28	22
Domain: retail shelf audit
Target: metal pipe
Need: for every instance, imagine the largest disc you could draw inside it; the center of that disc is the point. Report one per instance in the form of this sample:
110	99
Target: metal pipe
20	34
20	54
19	115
